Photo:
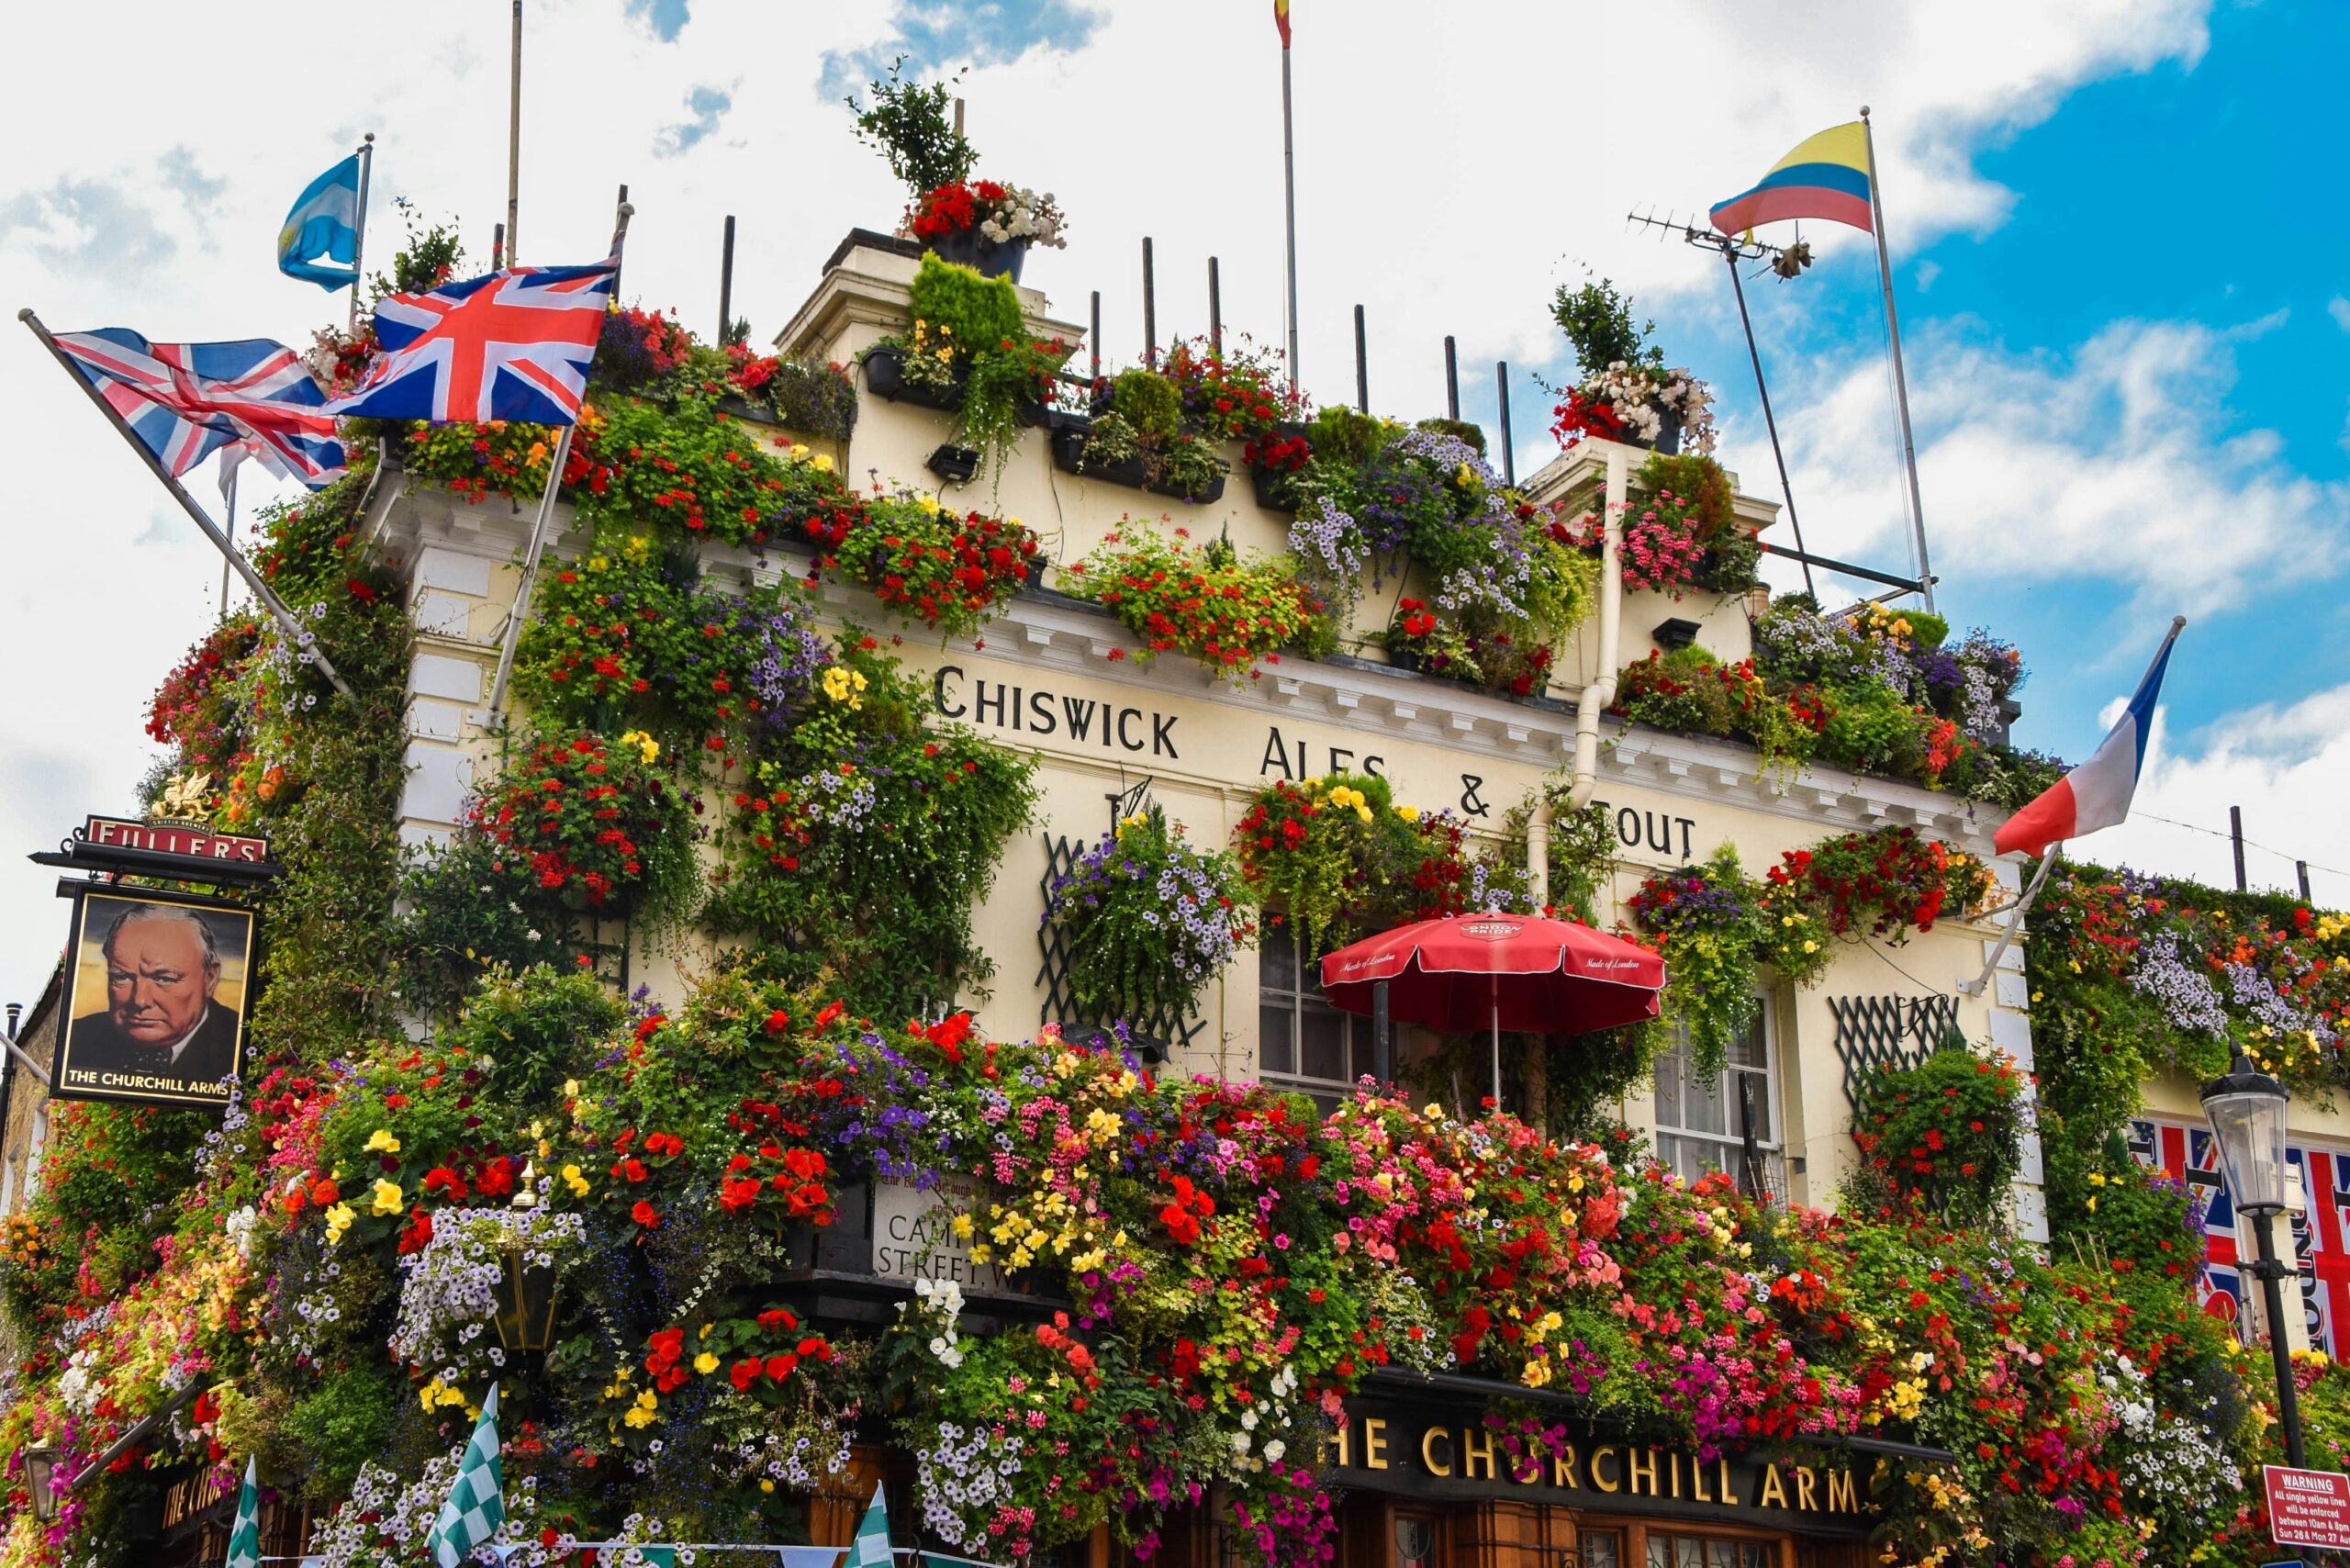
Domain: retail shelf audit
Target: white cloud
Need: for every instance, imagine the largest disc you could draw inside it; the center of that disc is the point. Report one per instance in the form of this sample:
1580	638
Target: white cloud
2115	461
1442	174
2284	764
2339	308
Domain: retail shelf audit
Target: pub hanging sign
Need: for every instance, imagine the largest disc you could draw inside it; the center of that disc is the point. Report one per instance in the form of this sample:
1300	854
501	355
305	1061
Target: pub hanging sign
158	983
1448	1454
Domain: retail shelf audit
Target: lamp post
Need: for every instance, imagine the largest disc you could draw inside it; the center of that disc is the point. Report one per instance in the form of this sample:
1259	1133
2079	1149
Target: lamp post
40	1466
525	1317
2246	1109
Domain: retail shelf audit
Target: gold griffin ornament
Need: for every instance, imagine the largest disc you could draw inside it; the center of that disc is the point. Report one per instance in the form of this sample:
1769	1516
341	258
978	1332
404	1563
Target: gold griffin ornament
186	798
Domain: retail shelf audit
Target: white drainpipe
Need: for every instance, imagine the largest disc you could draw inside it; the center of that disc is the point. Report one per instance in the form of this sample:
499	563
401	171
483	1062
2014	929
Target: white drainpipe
1601	691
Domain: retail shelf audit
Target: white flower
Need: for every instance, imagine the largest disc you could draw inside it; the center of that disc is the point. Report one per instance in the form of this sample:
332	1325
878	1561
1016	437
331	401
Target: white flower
1274	1450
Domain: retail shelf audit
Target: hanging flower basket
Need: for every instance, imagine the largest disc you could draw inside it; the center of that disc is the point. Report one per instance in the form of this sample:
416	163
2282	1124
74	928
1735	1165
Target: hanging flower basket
885	376
1069	456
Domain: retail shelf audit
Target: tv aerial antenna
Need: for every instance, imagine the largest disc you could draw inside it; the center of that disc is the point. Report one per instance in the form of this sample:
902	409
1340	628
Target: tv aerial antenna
1787	262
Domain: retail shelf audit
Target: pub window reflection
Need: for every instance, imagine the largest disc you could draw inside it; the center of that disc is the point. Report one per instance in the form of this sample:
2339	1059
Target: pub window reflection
1697	1552
1702	1120
1414	1542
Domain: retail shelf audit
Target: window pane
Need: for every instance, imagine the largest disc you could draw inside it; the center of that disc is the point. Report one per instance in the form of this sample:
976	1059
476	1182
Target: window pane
1275	1050
1757	1555
1321	1042
1602	1550
1660	1550
1668	1088
1702	1110
1691	1553
1277	962
1358	1033
1747	1049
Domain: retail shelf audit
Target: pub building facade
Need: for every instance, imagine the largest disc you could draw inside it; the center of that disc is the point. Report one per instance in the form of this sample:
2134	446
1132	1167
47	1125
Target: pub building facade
1057	678
1423	1483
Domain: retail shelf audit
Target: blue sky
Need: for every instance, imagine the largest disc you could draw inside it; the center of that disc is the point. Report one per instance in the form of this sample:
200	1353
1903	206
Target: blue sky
2119	228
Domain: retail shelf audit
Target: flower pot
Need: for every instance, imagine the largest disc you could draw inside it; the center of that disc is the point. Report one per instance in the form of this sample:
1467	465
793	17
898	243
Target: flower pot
956	465
1404	656
1037	564
1668	435
885	376
1069	456
1272	487
735	407
988	258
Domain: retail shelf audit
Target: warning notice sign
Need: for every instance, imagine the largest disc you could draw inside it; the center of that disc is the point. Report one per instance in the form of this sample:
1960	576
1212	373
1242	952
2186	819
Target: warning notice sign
2308	1507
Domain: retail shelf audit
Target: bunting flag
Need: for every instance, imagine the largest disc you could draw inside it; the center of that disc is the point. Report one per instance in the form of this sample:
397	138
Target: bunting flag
1281	19
871	1547
2096	794
244	1535
1827	176
477	1504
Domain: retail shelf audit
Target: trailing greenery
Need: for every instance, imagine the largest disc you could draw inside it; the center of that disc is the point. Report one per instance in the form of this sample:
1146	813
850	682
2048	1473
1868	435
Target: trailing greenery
1149	920
913	126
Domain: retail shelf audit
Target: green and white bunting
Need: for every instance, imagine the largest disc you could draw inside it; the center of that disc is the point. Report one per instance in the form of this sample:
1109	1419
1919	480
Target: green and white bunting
477	1504
244	1536
871	1547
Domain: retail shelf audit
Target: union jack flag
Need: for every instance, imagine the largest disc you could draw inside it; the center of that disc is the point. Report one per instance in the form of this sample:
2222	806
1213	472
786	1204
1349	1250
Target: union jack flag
513	345
185	401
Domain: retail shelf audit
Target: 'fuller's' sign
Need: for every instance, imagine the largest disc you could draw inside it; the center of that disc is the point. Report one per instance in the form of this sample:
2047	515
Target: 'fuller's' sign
175	838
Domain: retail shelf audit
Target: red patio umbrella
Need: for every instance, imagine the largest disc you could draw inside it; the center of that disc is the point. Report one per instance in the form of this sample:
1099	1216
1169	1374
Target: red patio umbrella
1524	972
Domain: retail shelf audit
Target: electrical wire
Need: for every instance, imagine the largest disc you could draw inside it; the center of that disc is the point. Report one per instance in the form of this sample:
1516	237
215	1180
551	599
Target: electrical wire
2249	843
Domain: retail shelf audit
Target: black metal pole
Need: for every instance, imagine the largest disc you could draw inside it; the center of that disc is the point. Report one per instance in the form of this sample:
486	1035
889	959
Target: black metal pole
1509	453
497	248
1362	366
1215	309
726	285
1382	1046
2235	837
1451	381
1770	421
2272	1277
2301	870
1149	310
619	205
1093	338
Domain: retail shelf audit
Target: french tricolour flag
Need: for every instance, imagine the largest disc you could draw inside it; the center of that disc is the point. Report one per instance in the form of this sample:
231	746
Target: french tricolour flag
2097	793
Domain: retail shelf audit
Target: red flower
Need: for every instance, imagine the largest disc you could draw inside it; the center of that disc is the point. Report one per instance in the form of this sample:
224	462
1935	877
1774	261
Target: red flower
645	1214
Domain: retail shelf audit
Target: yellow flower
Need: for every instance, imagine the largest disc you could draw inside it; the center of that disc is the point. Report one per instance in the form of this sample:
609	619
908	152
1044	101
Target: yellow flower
538	452
574	1180
823	463
929	505
798	452
765	1485
382	1142
599	564
1409	814
388	1199
647	747
962	1227
705	1363
339	1220
638	546
1537	1373
639	1417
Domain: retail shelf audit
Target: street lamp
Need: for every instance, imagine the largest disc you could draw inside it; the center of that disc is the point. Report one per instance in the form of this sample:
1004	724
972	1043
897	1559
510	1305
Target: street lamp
40	1465
525	1317
2246	1109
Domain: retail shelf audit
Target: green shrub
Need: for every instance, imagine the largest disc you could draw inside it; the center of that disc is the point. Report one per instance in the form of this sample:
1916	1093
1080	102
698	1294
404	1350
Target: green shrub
1947	1133
1460	429
976	313
1148	402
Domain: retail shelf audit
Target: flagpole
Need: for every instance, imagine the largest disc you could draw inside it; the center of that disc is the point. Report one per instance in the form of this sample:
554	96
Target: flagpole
229	498
521	611
359	243
303	638
514	141
1289	187
1900	378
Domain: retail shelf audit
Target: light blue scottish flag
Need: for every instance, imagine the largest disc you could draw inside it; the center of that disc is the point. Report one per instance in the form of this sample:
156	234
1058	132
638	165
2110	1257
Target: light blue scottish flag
325	226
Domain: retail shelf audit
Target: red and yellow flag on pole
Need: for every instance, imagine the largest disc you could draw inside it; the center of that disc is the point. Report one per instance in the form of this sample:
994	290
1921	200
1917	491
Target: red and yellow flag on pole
1281	19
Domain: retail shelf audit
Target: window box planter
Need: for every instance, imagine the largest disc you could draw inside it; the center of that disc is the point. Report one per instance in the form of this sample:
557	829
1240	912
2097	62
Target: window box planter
1069	453
885	376
1273	485
736	407
956	465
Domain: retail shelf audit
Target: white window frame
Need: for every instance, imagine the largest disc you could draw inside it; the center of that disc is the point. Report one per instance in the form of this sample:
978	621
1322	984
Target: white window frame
1773	1148
1296	1002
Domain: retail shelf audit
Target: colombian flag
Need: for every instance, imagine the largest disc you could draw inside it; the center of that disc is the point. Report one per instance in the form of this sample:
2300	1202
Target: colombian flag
1827	176
1281	19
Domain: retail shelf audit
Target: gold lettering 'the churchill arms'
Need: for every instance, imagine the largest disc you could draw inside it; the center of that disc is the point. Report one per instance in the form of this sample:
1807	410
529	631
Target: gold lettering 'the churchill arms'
1775	1494
1604	1483
1374	1443
1427	1451
1843	1497
1472	1452
1632	1461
